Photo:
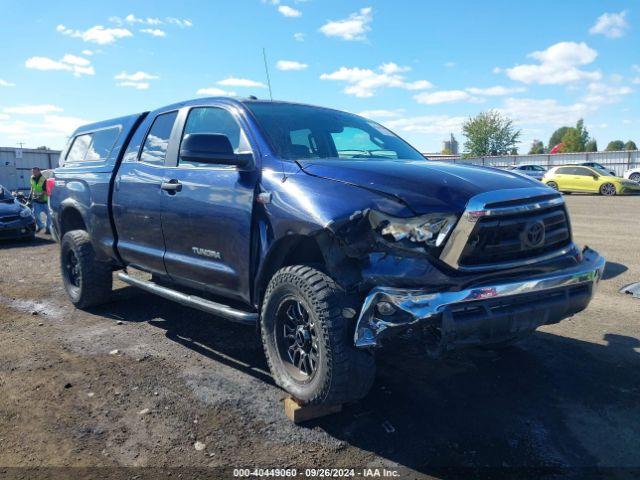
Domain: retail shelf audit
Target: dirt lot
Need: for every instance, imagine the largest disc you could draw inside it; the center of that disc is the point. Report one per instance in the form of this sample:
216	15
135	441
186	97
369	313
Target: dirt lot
139	381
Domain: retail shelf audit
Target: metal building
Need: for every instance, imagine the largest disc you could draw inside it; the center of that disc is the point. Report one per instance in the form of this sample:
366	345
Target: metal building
16	164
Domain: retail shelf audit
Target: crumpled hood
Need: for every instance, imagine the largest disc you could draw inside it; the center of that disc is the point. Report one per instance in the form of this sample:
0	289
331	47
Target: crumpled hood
9	208
425	186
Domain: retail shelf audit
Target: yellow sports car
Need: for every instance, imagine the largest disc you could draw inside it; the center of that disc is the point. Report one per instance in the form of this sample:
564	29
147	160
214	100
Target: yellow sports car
577	178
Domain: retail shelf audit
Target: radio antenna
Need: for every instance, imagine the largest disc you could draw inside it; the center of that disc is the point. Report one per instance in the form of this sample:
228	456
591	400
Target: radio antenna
266	69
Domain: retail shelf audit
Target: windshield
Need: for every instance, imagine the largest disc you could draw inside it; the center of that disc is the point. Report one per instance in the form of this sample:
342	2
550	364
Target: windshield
303	132
602	171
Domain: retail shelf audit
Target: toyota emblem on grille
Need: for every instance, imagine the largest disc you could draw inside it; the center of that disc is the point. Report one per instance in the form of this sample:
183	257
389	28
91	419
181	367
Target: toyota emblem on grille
533	235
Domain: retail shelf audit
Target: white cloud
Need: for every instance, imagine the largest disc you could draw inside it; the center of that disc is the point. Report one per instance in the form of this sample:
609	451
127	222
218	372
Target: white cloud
62	124
75	60
289	11
450	64
355	27
432	124
137	80
377	114
612	25
97	34
181	22
215	92
5	83
497	91
155	32
290	65
444	96
299	36
363	82
32	109
136	85
72	63
132	19
240	82
530	111
601	94
135	77
88	53
558	65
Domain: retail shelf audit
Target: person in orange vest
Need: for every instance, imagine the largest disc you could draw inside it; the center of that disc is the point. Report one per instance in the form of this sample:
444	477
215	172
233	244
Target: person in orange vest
38	199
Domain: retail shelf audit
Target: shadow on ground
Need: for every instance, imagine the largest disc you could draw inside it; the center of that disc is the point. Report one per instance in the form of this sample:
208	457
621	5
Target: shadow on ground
22	243
613	269
552	402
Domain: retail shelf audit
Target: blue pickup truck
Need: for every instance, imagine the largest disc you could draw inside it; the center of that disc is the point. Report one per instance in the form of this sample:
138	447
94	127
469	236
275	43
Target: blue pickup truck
323	229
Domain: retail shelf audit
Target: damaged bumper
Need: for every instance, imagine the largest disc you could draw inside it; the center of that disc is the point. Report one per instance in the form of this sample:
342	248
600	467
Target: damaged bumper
480	315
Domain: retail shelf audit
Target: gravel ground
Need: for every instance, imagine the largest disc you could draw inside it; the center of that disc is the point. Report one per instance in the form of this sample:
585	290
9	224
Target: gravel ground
140	381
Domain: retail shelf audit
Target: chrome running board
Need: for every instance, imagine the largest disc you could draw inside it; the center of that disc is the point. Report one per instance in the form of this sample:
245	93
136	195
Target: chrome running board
219	309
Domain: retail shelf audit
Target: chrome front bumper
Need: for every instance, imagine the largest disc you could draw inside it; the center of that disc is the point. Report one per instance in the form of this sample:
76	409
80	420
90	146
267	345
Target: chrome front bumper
414	307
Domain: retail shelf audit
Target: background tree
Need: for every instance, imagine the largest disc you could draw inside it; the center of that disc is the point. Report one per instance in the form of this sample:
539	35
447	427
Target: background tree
591	146
537	147
630	145
575	139
489	133
514	151
446	151
583	133
556	137
614	146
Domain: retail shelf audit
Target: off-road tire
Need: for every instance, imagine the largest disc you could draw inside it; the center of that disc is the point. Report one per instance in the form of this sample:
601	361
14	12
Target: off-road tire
95	279
608	189
344	373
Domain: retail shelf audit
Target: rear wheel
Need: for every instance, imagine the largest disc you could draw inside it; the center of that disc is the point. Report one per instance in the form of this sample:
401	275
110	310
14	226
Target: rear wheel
608	189
307	341
87	281
635	177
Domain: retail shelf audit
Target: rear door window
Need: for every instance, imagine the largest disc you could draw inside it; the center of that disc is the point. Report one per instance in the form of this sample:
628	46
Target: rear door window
155	146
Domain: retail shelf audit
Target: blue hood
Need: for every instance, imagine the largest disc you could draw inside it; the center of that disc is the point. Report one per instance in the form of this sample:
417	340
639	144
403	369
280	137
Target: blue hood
425	186
9	207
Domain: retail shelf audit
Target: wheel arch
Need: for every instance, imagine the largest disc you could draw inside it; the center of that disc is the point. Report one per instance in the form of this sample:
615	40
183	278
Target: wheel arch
289	250
71	218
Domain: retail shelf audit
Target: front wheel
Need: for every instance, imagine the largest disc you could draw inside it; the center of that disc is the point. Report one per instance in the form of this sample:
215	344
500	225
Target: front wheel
635	177
307	341
87	281
553	185
608	189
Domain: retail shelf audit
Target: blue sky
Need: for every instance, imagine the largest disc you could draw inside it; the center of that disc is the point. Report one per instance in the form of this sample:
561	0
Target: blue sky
419	67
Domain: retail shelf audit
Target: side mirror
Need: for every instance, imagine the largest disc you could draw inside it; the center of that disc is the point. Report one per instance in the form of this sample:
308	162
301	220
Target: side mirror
596	177
212	148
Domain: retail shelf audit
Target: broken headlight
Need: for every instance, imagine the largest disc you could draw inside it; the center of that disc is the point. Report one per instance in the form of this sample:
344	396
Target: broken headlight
431	229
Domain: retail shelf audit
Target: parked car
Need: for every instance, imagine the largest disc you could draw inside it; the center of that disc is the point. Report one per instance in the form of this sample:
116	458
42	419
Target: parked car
16	219
323	229
534	171
633	174
598	166
574	178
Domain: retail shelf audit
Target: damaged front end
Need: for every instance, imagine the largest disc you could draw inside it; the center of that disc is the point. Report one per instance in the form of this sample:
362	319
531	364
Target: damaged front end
492	274
481	315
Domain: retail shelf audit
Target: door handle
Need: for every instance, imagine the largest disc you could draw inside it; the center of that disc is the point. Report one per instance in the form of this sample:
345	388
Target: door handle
172	186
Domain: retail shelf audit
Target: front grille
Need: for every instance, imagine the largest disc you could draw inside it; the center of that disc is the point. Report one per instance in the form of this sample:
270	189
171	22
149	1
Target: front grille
502	239
9	218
